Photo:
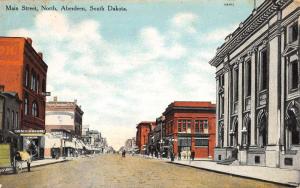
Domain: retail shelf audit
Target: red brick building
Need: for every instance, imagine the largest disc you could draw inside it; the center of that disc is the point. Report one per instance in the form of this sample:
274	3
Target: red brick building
143	129
23	70
190	127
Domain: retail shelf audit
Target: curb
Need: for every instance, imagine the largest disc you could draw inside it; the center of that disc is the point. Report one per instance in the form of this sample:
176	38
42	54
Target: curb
235	175
45	164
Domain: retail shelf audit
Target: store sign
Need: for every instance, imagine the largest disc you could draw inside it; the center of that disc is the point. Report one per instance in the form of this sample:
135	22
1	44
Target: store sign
20	131
4	155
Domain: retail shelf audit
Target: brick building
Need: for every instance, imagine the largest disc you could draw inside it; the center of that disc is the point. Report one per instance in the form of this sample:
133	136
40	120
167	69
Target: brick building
23	70
143	129
61	115
190	126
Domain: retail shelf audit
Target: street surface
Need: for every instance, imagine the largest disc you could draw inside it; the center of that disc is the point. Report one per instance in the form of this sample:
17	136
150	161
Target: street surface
112	171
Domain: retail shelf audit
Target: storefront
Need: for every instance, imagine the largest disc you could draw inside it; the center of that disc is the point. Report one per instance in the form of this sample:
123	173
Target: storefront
32	141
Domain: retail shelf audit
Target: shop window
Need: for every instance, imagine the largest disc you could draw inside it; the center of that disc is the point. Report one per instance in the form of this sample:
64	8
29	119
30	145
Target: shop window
293	32
257	159
201	142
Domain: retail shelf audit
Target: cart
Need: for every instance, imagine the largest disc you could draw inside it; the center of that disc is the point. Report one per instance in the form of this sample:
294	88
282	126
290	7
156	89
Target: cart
16	161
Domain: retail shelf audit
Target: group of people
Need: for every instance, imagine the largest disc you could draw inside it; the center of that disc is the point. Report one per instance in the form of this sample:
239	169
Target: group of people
186	155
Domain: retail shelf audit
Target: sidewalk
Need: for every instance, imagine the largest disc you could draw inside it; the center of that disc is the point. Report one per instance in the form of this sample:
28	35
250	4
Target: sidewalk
276	175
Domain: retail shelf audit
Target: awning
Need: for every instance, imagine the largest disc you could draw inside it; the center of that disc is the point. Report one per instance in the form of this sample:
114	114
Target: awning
32	134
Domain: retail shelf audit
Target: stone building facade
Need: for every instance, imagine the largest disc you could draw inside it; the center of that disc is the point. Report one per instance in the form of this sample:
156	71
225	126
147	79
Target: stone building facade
258	88
61	115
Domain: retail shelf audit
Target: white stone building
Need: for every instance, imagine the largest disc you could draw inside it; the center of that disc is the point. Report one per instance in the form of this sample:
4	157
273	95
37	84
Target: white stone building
258	88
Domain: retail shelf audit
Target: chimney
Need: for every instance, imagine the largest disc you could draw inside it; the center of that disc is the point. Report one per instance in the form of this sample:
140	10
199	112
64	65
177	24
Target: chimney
1	88
40	54
29	40
55	99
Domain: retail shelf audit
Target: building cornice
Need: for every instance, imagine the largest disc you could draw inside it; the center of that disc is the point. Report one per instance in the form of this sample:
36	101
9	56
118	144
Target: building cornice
258	18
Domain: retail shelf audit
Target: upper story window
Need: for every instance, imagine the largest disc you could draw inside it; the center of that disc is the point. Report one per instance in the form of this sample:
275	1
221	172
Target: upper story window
26	105
44	86
293	73
247	79
235	79
184	125
33	81
201	126
26	79
16	120
38	84
13	118
221	80
263	70
34	109
293	32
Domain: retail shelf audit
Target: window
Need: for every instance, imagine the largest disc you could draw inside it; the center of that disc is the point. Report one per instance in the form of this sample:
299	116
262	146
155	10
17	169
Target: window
263	76
247	79
179	124
34	110
44	86
221	105
235	84
294	76
26	106
13	118
16	120
293	32
26	76
221	81
257	159
201	142
201	126
38	84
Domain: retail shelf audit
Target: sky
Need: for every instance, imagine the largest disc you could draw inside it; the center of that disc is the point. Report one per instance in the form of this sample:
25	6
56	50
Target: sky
124	67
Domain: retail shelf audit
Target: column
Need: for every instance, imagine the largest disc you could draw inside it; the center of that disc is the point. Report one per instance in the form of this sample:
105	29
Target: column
227	84
217	112
240	101
253	96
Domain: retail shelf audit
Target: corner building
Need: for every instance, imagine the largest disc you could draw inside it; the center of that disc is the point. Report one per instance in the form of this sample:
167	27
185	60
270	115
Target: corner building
258	89
190	126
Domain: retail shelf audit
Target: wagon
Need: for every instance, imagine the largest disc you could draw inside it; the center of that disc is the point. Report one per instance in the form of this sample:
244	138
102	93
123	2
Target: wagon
9	160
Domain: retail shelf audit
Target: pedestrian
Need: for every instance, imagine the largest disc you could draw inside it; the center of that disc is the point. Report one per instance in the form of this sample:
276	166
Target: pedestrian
123	153
179	155
193	155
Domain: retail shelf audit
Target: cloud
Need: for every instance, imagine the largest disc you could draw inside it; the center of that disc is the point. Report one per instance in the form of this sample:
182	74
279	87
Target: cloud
185	21
119	84
219	34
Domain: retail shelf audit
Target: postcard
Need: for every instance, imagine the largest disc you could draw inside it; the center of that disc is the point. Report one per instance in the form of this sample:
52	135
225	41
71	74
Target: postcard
161	93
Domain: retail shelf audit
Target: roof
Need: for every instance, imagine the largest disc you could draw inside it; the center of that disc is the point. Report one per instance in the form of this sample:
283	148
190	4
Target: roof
11	95
191	106
246	28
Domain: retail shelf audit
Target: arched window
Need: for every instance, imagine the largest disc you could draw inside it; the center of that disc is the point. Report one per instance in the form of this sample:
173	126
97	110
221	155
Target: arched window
12	118
262	128
34	110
